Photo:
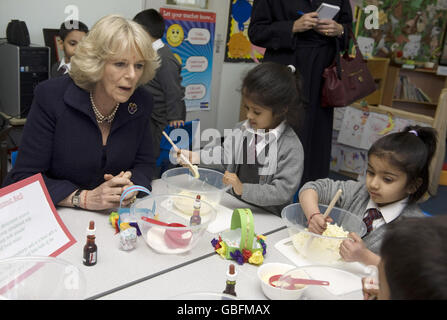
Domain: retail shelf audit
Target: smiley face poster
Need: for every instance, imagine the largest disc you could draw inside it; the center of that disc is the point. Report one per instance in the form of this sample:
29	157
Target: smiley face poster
190	35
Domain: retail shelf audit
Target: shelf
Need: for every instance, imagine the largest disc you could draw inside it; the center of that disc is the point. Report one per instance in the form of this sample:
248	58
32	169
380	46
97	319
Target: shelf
415	101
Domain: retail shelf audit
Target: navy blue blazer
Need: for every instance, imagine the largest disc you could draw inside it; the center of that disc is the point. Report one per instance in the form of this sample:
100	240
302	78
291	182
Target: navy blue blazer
62	140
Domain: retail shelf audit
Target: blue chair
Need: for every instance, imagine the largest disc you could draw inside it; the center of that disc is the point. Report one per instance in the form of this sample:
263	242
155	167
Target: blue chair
13	158
295	197
190	128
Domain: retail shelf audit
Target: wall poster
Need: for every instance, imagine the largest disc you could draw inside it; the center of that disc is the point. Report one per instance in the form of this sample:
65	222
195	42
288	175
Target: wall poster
190	35
238	47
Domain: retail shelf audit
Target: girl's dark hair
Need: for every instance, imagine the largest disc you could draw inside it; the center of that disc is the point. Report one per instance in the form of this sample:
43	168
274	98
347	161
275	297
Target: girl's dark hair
75	25
411	151
414	255
152	21
277	87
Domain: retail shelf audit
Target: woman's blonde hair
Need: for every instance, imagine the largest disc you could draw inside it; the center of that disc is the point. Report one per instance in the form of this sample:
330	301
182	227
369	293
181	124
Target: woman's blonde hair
110	37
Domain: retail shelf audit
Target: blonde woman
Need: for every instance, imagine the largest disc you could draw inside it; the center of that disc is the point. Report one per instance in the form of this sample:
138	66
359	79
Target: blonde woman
88	133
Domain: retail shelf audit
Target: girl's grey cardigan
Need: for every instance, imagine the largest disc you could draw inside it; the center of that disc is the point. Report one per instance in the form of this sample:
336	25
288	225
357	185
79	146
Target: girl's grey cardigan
355	198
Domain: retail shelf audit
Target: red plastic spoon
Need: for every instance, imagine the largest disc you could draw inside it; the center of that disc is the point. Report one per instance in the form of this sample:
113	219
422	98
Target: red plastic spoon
292	281
173	238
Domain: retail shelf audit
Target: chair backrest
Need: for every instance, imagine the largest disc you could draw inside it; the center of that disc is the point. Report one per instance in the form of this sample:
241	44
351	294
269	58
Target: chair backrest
178	137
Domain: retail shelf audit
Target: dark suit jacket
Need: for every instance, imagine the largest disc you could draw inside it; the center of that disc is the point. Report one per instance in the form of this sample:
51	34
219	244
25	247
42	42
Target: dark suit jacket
62	140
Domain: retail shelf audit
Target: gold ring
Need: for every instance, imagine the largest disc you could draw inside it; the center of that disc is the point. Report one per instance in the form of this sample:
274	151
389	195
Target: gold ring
326	33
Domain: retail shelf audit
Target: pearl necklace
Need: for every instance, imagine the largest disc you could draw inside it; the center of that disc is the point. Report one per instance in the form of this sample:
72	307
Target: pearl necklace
99	117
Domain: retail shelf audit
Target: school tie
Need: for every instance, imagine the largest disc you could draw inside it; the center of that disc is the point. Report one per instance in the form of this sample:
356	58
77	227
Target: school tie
370	217
251	155
63	69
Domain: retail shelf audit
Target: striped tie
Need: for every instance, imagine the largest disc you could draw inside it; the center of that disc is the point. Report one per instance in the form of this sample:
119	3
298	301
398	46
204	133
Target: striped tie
371	216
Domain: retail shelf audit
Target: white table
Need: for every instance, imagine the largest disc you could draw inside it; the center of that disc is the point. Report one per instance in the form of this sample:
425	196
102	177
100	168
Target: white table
209	275
205	275
117	269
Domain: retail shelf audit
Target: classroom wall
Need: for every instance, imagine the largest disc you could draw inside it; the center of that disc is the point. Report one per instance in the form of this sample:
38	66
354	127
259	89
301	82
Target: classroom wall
225	102
227	77
39	14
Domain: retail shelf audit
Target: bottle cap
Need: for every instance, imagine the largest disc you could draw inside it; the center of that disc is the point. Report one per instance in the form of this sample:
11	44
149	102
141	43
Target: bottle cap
91	229
197	203
232	273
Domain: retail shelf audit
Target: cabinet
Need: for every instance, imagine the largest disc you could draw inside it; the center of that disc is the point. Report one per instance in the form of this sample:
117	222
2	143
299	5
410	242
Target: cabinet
432	112
378	67
403	96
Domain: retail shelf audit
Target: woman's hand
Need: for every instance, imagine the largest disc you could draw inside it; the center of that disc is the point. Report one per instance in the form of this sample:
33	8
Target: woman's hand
329	28
305	22
108	194
233	180
318	224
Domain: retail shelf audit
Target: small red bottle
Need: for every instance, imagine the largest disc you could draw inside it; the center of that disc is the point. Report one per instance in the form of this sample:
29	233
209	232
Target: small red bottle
90	248
195	219
231	280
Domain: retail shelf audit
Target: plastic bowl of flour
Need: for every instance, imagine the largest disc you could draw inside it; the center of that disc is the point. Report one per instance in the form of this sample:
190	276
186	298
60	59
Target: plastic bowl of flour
165	222
40	278
182	182
321	249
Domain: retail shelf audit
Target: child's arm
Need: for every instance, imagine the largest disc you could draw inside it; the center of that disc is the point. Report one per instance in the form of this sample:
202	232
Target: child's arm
355	250
321	192
309	203
233	180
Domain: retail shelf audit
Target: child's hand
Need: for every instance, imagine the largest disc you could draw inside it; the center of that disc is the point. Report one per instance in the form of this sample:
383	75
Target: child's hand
353	250
233	180
370	288
370	284
176	123
318	224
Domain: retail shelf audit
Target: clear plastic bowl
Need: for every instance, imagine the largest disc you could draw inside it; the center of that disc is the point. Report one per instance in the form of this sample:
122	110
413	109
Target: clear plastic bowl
314	247
171	209
40	278
209	185
343	285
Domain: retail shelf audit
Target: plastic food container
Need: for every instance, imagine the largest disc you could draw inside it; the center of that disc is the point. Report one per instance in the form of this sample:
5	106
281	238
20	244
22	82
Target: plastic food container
164	222
278	293
317	248
343	285
40	278
209	185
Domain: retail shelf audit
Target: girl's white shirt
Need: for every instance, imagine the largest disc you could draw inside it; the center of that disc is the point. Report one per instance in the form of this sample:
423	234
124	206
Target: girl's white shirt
263	136
389	212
